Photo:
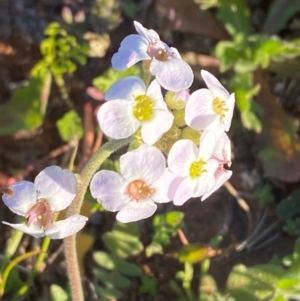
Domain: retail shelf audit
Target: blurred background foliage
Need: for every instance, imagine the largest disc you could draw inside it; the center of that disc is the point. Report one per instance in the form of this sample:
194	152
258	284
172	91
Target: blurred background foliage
54	70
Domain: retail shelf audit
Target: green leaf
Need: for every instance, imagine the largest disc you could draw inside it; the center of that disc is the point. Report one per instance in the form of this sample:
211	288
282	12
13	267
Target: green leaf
250	121
254	284
105	81
288	283
193	253
129	268
105	260
235	16
70	126
23	111
148	286
57	293
112	279
289	206
174	218
108	293
279	14
123	240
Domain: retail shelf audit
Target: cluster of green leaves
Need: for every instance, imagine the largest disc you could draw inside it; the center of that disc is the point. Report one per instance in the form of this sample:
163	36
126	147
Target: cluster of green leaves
60	51
268	281
165	226
113	271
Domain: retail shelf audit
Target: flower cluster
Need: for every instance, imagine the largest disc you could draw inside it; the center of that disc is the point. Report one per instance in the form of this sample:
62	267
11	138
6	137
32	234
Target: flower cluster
191	126
182	155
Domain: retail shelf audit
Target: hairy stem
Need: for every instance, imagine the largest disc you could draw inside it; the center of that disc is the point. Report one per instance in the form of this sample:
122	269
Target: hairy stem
83	182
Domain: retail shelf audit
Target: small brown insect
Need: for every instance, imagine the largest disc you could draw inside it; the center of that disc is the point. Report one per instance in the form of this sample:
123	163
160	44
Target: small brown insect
8	191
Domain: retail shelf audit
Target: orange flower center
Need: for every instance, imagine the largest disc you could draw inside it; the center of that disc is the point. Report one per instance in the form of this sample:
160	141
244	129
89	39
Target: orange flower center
138	190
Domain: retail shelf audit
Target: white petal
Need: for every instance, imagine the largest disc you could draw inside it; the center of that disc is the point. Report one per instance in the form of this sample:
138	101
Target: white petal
184	191
199	111
135	211
182	154
173	74
57	186
23	197
116	119
66	227
208	141
221	177
162	188
126	88
132	50
148	34
154	92
153	130
146	163
108	188
32	230
207	181
174	53
214	85
230	106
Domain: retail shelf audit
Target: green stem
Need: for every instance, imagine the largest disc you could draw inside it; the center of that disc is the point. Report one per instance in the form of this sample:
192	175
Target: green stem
83	182
23	289
11	265
60	82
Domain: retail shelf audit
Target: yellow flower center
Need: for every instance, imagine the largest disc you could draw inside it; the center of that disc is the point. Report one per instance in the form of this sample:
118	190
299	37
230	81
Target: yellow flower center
139	190
197	169
143	108
219	106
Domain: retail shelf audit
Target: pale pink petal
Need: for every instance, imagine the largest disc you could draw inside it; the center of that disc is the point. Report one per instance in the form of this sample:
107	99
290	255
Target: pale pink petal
146	163
214	85
67	227
116	119
132	50
173	74
222	151
135	211
221	176
185	191
148	34
20	197
182	154
153	130
230	106
126	88
57	186
108	188
199	111
32	230
171	183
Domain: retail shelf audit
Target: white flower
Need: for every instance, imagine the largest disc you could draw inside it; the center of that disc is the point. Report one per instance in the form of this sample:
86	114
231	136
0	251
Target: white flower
210	108
133	192
194	167
166	64
131	105
53	190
